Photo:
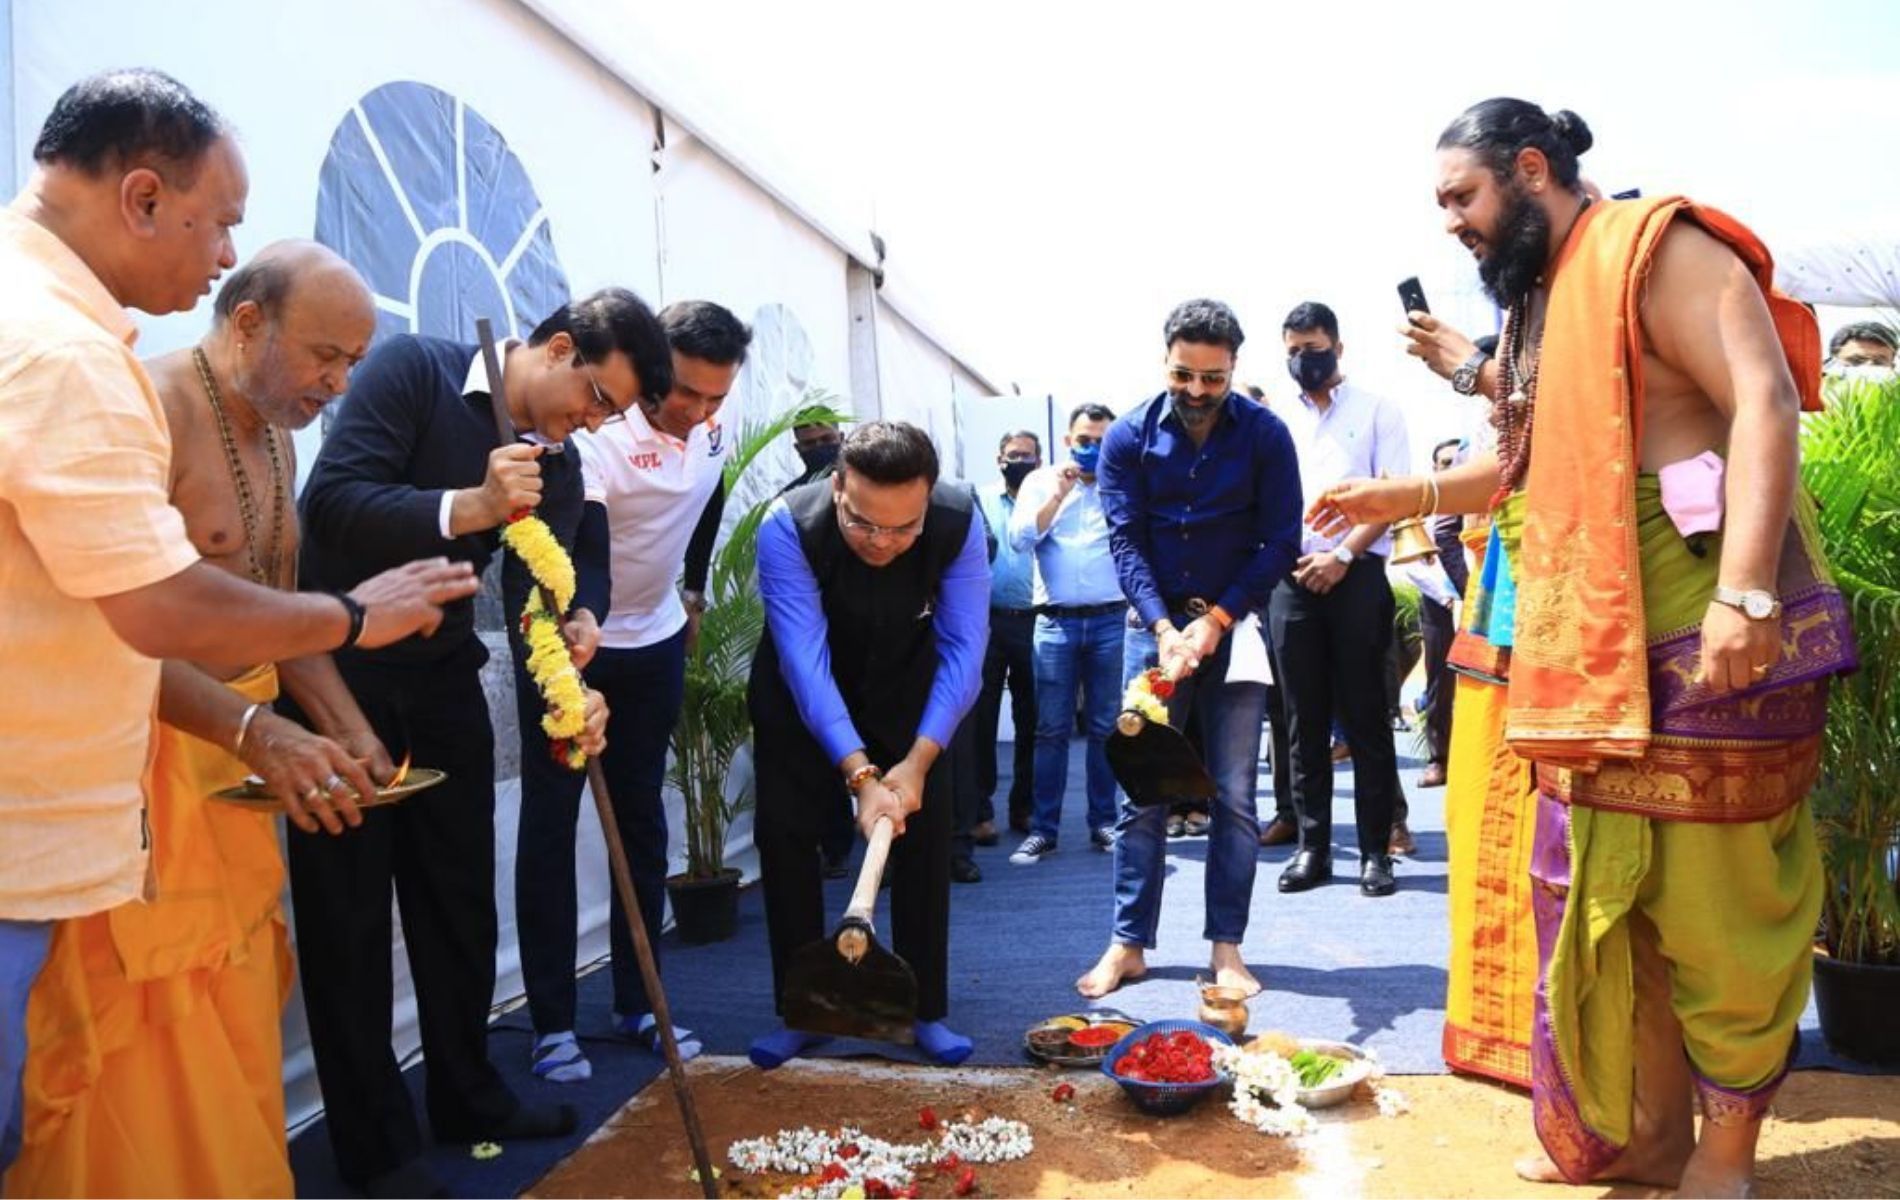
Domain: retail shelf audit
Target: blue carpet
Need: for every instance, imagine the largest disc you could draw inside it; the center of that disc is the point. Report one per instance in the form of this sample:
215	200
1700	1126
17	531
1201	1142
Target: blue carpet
1335	964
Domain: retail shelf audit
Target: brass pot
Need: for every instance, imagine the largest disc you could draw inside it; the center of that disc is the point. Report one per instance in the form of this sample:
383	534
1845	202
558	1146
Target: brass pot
1225	1008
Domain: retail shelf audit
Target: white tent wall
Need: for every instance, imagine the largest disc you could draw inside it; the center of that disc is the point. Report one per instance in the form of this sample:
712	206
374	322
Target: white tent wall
298	81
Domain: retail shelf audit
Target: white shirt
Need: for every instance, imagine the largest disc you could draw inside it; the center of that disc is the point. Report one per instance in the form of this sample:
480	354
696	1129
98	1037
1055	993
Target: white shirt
655	487
1073	563
1358	436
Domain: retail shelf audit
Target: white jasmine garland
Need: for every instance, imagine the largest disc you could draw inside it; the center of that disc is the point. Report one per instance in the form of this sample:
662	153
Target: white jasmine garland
807	1151
1266	1092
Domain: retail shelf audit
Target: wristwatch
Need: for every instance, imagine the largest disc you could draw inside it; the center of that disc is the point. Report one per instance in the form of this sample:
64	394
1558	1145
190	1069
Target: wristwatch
1464	380
1755	604
1344	554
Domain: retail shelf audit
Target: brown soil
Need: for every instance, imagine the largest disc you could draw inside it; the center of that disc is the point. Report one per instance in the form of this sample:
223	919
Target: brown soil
1833	1135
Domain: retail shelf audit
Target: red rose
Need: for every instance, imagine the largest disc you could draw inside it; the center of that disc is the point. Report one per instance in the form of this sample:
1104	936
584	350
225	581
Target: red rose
949	1163
1064	1093
927	1117
966	1182
832	1173
877	1189
1163	689
848	1151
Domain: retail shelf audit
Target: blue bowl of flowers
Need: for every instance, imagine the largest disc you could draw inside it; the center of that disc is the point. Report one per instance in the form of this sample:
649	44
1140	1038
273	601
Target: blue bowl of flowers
1167	1067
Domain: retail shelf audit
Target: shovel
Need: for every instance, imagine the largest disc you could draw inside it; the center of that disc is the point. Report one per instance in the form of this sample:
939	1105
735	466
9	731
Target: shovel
1155	763
846	984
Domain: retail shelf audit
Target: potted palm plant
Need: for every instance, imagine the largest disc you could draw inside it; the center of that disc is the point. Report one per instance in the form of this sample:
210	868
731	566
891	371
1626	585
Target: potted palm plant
713	724
1851	464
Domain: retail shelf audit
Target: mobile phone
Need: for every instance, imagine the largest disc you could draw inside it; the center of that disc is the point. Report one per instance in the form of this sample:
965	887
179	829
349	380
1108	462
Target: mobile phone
1412	296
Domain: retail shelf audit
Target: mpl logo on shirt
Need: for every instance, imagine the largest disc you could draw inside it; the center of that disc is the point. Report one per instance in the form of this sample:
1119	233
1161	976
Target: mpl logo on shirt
650	461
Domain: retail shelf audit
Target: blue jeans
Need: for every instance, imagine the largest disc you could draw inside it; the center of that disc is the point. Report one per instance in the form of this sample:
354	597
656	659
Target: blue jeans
23	947
1068	649
1230	715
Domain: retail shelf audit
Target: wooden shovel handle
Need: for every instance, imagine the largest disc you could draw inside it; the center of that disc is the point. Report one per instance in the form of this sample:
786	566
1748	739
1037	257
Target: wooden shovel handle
864	896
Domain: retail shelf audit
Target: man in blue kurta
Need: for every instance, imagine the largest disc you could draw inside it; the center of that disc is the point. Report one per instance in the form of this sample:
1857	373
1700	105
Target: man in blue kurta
876	588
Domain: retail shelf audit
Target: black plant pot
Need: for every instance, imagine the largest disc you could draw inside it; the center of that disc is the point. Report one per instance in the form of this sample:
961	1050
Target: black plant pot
705	910
1857	1002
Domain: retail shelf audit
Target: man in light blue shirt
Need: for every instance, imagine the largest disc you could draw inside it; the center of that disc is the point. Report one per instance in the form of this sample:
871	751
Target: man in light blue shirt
1080	613
1010	659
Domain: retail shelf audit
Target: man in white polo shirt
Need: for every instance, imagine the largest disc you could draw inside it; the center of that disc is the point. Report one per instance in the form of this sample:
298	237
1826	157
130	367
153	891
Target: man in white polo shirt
654	490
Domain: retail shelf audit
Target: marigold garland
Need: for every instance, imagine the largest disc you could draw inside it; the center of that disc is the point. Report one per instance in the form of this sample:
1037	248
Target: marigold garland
1148	695
549	663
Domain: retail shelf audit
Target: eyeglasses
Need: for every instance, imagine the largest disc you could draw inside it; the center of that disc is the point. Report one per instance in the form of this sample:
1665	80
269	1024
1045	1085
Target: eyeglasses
1022	458
608	410
1181	377
865	529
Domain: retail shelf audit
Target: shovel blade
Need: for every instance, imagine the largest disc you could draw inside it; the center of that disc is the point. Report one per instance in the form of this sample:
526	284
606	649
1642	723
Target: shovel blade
1158	766
873	998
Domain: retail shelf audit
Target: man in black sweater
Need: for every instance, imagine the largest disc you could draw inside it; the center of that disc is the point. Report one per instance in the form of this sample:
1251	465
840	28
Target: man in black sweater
411	466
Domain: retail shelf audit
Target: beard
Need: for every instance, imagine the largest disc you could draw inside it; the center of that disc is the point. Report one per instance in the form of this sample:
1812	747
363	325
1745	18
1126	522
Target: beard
267	385
1516	251
1194	418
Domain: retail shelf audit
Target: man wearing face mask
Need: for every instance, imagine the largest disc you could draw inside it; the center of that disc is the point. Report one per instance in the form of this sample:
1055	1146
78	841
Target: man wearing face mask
817	446
1010	656
1079	617
1329	621
1200	487
1863	350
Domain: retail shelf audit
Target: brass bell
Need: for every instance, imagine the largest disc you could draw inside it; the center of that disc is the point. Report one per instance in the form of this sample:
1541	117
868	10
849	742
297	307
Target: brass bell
1412	541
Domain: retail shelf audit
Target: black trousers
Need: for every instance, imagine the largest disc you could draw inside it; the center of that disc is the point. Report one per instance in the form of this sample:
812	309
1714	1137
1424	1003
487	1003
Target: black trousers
797	789
1281	752
1437	627
437	850
1330	654
644	690
1010	660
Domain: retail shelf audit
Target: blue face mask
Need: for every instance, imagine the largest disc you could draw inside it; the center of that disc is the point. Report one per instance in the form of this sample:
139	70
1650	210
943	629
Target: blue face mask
1085	457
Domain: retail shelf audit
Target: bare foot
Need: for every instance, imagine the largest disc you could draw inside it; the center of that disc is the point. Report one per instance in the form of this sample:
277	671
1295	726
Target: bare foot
1724	1161
1230	971
1657	1166
1119	964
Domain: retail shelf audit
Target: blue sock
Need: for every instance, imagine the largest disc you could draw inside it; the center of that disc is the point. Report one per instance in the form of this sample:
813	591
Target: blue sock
646	1030
558	1059
940	1042
775	1049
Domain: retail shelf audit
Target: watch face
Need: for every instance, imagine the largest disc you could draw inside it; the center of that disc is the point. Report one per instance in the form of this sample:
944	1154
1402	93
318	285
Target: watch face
1758	605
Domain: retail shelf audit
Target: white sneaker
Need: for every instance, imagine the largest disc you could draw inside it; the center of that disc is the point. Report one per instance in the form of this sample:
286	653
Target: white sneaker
1034	849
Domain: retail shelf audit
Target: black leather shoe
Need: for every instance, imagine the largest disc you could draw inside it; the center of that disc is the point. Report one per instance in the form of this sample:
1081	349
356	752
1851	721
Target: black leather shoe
965	871
1309	869
1375	875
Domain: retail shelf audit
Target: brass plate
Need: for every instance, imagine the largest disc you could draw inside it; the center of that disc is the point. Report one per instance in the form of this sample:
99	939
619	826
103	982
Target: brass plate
251	794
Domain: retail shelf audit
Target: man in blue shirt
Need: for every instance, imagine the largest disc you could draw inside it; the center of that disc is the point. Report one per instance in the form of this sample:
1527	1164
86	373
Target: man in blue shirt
1080	613
876	589
1012	626
1202	491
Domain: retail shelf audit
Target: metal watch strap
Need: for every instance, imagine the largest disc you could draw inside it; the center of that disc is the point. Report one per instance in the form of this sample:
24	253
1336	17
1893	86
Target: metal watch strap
358	615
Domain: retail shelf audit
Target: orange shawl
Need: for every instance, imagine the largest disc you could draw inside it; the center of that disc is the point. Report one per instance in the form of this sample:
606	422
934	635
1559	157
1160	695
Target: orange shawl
1579	673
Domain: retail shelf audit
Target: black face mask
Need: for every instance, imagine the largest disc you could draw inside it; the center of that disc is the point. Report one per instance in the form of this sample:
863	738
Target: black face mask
817	458
1312	368
1015	472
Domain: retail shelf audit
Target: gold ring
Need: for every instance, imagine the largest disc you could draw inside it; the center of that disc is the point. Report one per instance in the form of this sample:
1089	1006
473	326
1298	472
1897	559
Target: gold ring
1762	670
313	795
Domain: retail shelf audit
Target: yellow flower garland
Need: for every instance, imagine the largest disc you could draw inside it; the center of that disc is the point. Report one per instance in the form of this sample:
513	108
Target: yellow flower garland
549	662
1140	697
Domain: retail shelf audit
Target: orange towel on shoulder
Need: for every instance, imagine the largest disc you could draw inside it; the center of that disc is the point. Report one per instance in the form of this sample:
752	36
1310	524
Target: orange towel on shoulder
1579	688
